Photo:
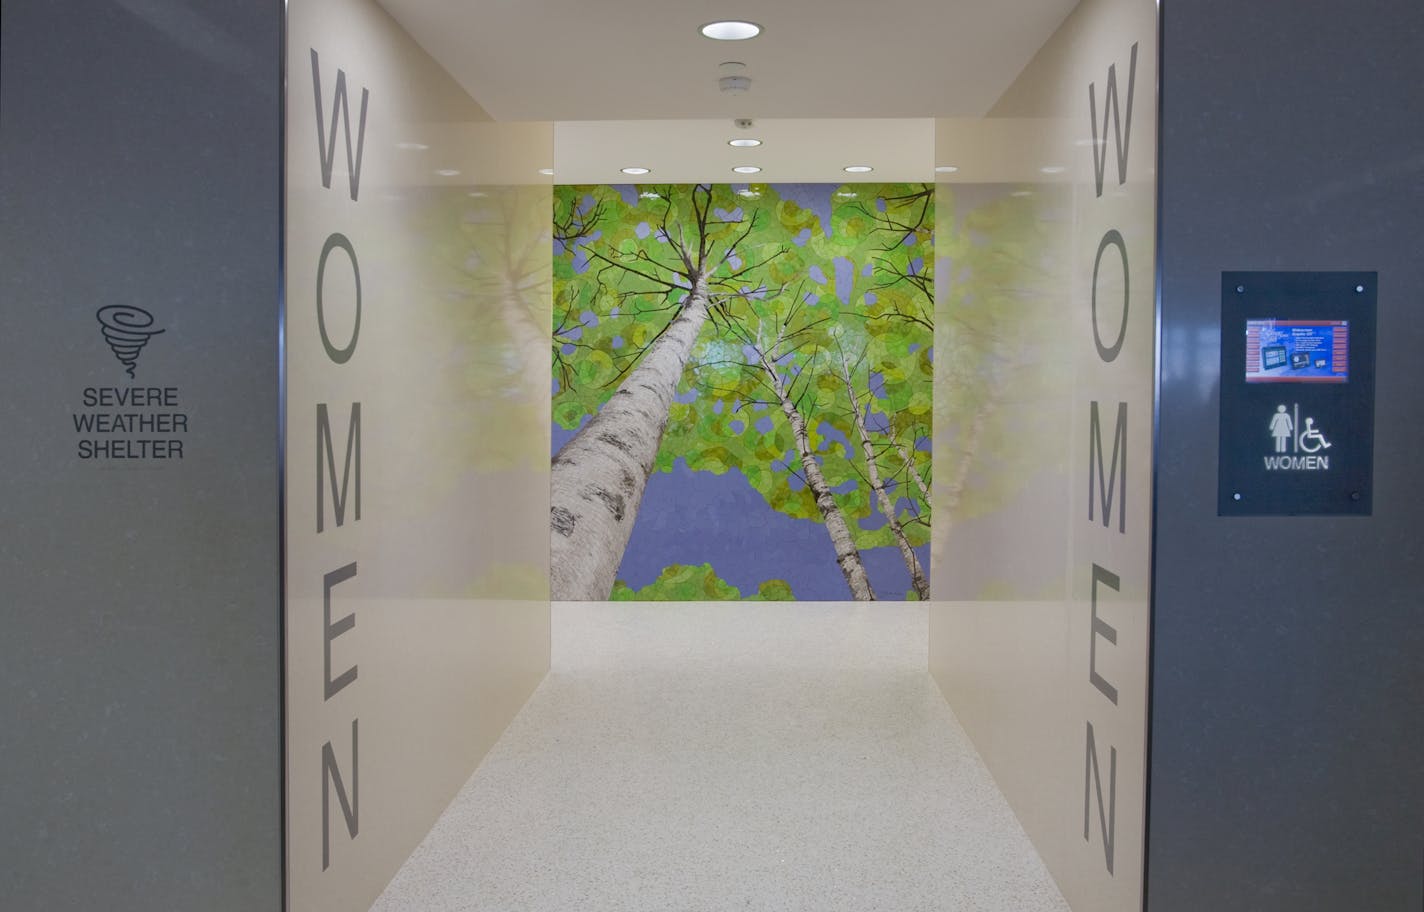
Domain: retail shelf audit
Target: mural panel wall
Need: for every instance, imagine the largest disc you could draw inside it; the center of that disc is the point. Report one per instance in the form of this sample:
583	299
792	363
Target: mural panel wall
1043	499
417	617
742	391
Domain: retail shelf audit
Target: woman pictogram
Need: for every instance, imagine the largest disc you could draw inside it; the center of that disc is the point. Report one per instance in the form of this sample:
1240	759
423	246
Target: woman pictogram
1281	428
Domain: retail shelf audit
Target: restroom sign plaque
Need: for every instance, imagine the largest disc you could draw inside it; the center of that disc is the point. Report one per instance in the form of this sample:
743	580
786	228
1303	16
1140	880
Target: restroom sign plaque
1297	393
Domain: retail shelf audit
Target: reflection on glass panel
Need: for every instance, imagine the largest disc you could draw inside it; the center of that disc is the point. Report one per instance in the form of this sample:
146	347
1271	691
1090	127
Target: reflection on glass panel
1045	322
417	619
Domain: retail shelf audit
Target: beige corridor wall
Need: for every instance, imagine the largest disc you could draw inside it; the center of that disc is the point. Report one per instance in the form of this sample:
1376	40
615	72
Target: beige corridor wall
1044	413
417	422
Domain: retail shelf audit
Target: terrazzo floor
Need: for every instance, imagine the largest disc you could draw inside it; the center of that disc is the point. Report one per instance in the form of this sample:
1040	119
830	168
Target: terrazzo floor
730	756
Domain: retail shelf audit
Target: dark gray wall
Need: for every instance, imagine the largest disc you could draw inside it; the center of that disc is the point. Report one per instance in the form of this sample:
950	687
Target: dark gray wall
139	618
1288	677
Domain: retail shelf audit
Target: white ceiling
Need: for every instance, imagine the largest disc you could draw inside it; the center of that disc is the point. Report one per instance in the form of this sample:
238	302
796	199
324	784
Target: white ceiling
824	73
793	151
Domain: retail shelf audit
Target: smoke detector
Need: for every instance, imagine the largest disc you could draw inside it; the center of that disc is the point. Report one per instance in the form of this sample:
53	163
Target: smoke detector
733	80
743	123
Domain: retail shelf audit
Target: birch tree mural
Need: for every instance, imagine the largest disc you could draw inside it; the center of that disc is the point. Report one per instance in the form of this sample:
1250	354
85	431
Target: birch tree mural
742	390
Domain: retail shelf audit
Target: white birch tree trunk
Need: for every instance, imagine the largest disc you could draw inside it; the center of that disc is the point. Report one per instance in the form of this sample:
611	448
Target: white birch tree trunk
847	555
599	476
882	498
525	338
914	473
969	450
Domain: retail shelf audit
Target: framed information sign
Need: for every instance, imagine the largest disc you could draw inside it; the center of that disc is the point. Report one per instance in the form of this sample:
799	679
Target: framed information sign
1297	393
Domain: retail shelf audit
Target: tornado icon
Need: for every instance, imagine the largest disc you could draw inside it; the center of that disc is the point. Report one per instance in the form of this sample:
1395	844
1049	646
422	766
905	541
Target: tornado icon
127	329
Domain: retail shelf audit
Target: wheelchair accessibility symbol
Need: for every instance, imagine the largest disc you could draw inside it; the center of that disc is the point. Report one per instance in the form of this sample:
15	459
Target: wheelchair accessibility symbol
1311	440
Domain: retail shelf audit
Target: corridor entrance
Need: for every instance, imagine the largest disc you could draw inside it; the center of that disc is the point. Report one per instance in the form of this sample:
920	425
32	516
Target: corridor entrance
717	471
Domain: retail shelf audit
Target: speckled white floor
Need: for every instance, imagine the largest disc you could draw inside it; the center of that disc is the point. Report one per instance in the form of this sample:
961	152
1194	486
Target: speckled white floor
730	756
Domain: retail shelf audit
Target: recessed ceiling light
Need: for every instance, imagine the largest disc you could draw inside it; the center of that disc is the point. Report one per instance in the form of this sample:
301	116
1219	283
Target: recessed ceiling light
743	143
547	172
731	30
447	172
636	170
946	169
477	194
746	169
1020	194
1053	169
412	146
858	169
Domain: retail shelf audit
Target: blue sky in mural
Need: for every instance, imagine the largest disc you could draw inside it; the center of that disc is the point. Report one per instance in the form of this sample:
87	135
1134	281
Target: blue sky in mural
679	508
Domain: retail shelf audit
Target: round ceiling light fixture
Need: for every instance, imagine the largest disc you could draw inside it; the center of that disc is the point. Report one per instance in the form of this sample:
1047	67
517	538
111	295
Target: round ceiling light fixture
731	30
409	146
547	172
858	169
448	172
746	169
946	169
743	143
1053	169
636	171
